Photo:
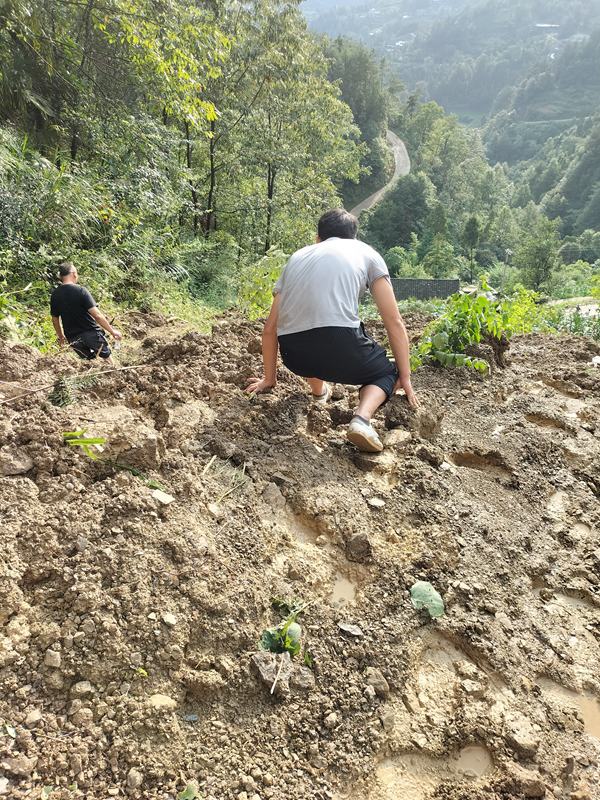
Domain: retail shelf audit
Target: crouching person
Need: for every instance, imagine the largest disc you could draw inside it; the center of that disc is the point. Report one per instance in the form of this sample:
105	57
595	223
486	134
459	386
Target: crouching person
77	319
314	322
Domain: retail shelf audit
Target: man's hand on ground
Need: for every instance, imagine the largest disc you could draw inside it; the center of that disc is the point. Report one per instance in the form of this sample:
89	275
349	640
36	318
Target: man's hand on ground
257	385
404	383
117	335
62	340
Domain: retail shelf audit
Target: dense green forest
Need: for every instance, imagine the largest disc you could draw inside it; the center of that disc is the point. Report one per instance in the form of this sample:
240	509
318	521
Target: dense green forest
178	152
153	140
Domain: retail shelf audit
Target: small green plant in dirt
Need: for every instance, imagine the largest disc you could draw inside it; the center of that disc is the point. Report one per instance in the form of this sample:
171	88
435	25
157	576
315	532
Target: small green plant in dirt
471	319
287	636
66	388
257	282
90	445
189	793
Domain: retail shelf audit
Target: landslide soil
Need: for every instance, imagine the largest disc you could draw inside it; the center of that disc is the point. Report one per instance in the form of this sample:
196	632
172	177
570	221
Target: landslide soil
130	620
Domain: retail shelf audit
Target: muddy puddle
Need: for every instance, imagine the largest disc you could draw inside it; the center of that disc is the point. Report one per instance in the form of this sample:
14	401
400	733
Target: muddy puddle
587	704
343	592
416	776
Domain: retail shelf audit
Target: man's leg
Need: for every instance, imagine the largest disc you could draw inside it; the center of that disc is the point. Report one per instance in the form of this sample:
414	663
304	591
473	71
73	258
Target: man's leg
370	398
317	386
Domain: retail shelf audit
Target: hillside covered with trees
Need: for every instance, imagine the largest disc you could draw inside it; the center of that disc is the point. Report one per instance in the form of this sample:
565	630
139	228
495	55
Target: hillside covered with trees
145	141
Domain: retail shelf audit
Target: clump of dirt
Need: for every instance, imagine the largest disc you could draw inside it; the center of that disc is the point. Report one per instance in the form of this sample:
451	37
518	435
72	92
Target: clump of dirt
134	588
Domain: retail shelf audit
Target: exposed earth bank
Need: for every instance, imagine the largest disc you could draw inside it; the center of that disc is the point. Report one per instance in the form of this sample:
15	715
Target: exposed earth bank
132	599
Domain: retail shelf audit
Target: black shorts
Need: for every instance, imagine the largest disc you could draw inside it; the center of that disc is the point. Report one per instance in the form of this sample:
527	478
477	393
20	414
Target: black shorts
339	355
90	344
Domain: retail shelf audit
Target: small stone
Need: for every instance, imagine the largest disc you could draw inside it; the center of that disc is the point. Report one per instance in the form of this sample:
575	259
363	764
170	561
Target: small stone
215	511
162	701
376	502
268	779
472	688
411	701
397	438
526	783
134	779
52	659
267	666
332	720
33	718
520	736
302	680
83	718
352	630
359	548
19	765
169	619
14	461
152	616
374	678
3	786
273	497
162	498
81	689
387	717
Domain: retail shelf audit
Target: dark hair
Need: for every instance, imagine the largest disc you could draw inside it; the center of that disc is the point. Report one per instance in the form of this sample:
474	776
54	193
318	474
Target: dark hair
66	269
337	222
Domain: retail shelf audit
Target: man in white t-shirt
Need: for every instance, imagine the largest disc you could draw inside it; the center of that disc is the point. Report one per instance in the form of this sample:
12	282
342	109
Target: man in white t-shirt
314	322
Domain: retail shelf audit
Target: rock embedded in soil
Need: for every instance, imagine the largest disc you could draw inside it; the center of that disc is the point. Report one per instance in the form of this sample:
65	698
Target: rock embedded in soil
526	782
134	778
267	666
52	659
359	549
14	461
375	678
19	765
162	701
520	735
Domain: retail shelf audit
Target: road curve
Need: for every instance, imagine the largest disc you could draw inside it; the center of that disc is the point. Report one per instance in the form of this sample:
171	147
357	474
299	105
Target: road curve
402	168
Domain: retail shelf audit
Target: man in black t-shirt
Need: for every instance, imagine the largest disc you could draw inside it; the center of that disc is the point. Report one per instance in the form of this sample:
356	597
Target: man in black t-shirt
81	319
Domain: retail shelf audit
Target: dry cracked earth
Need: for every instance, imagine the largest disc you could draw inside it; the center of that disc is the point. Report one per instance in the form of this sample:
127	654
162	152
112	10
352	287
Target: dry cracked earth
134	588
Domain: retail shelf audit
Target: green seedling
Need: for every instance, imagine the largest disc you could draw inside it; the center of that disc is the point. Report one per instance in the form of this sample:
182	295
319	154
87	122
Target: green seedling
89	444
287	636
189	793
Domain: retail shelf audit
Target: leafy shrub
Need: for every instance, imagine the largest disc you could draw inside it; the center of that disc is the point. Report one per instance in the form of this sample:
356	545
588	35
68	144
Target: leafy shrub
257	281
468	320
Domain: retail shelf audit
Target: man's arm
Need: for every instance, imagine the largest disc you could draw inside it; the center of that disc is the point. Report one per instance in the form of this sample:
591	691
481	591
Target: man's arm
270	347
58	330
104	323
383	294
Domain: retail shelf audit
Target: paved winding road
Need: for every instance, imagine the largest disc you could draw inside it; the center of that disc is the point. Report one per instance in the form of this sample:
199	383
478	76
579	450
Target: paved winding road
402	168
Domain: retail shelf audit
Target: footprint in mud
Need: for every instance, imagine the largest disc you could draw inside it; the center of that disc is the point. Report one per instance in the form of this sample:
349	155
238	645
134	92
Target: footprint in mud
417	776
321	563
491	464
558	505
545	421
587	704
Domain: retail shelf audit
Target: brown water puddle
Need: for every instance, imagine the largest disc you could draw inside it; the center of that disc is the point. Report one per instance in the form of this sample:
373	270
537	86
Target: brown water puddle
587	704
415	776
343	592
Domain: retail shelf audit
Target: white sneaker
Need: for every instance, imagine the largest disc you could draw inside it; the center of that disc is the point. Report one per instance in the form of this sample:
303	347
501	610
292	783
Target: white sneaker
364	436
322	399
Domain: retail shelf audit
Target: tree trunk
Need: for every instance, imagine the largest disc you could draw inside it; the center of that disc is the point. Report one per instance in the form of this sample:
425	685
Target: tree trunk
211	217
194	193
271	174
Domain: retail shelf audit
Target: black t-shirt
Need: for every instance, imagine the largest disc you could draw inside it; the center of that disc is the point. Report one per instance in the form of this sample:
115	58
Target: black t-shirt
72	304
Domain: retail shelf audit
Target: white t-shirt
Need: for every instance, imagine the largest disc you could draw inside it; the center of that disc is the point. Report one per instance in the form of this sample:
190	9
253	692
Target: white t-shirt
323	284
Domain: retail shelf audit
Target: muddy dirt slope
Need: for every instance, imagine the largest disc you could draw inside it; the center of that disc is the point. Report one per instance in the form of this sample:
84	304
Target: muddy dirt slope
132	598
